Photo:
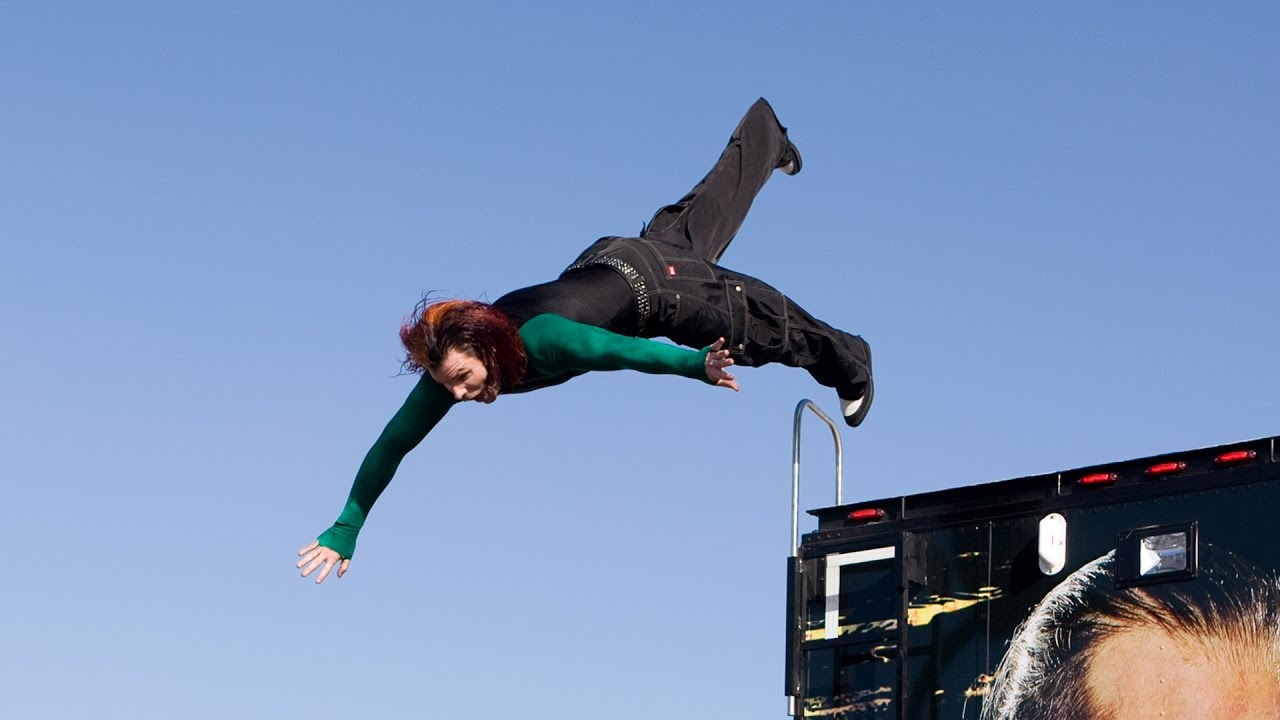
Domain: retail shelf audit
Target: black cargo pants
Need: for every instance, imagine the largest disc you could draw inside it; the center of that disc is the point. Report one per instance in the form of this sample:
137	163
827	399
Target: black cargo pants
693	300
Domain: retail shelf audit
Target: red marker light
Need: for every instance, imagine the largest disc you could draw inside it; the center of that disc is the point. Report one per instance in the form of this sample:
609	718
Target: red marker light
1099	479
866	514
1235	456
1166	468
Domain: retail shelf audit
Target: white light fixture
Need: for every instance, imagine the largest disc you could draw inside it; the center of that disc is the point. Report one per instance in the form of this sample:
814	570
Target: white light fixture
1160	554
1156	554
1053	544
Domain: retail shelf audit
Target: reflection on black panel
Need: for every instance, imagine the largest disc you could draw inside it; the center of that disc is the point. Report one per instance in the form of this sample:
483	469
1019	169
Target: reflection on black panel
947	615
869	599
851	682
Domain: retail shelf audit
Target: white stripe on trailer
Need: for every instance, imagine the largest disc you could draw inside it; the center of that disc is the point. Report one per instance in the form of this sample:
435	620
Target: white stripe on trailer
835	561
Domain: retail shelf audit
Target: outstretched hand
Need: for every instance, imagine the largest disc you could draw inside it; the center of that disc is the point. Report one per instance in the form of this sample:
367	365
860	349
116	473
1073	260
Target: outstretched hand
717	360
314	556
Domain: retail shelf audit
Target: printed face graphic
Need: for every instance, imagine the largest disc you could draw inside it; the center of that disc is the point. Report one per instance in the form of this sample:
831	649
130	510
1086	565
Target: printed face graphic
1148	673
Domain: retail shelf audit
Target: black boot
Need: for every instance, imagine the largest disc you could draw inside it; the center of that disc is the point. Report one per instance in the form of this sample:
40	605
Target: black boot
791	162
855	401
856	410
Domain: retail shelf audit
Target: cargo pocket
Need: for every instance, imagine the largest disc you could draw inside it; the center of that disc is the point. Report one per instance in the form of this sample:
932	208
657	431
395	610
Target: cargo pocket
737	339
764	323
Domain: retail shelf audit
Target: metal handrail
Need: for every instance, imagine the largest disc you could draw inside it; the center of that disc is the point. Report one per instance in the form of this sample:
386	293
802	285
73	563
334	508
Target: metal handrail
795	468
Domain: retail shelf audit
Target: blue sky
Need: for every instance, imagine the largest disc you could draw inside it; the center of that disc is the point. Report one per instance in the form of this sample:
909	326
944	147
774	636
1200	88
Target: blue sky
1055	224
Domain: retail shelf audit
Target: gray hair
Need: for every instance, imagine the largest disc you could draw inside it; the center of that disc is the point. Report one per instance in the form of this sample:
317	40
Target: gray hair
1042	676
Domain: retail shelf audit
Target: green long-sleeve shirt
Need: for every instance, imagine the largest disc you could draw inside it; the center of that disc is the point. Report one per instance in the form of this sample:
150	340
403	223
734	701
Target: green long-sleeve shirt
556	346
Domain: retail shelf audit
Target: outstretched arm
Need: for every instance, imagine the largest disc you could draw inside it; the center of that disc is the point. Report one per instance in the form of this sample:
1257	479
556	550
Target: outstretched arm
557	344
425	406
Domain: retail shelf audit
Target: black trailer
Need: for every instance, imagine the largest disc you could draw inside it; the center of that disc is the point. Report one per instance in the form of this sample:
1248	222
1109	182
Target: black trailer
1124	590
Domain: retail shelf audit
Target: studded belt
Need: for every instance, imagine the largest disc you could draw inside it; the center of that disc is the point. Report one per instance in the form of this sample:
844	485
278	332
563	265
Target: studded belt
644	309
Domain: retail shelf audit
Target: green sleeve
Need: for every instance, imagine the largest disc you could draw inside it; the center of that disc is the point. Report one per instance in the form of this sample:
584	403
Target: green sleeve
557	344
426	404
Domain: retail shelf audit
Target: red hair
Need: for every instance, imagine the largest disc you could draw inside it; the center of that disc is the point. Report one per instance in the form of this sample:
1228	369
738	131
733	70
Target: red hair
480	329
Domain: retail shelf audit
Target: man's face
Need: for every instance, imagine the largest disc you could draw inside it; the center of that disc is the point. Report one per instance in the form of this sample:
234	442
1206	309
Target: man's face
1145	673
463	375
